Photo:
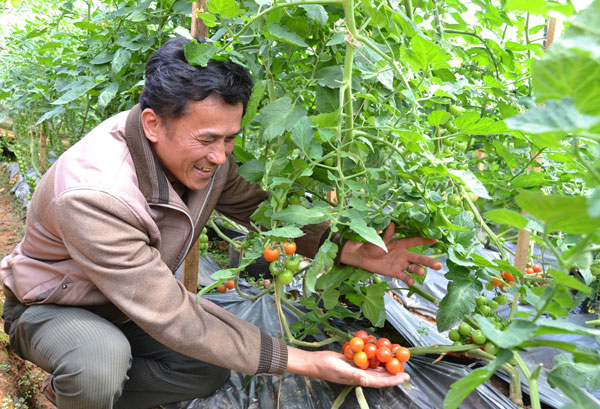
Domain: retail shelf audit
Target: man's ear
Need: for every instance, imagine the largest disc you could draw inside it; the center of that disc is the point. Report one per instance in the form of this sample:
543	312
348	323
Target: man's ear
151	124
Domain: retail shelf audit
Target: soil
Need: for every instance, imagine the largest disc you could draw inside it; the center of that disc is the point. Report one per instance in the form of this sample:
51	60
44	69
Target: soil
20	380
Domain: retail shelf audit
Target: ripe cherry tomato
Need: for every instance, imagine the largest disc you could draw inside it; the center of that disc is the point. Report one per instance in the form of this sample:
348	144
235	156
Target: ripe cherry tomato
508	277
221	288
374	362
230	284
348	353
395	347
394	366
372	339
383	342
357	344
529	270
270	253
360	359
362	334
289	247
536	268
384	354
370	350
403	354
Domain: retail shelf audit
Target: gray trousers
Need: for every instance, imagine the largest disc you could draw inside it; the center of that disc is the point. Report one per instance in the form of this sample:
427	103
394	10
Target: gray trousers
97	364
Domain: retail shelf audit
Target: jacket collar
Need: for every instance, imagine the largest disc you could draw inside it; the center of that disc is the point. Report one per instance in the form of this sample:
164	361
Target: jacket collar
152	181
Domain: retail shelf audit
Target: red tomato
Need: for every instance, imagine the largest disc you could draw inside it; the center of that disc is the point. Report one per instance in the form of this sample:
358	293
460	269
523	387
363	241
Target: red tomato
374	362
289	247
371	339
221	288
360	359
362	335
394	348
508	277
270	253
348	353
383	342
370	350
384	354
536	268
230	284
403	354
529	270
356	344
394	366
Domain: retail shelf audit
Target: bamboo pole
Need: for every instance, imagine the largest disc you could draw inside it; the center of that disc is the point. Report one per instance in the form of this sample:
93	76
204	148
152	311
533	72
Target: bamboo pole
189	272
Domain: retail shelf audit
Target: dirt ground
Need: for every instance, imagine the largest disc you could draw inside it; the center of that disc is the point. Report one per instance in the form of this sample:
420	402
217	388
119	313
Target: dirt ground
20	381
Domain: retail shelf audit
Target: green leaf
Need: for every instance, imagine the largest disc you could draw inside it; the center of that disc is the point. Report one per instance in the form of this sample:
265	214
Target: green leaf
252	171
108	94
323	259
120	60
330	298
580	398
282	33
76	90
199	53
424	53
529	6
303	136
462	388
287	232
532	179
316	12
279	116
257	95
437	118
59	110
373	305
508	217
515	334
562	278
359	226
470	181
458	302
565	214
302	216
552	122
226	8
593	203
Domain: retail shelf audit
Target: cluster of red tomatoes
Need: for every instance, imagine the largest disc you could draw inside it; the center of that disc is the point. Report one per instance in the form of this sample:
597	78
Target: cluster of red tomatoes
228	285
283	262
366	351
501	281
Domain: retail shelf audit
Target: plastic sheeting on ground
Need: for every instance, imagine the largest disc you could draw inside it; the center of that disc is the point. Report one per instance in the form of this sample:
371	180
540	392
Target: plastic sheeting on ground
426	390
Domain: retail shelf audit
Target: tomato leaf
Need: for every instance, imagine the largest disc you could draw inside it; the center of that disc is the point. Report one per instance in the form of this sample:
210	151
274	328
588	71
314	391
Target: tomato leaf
323	259
566	214
287	232
279	116
372	305
359	226
252	171
470	181
579	397
226	8
515	334
282	33
508	217
458	302
199	53
303	137
300	215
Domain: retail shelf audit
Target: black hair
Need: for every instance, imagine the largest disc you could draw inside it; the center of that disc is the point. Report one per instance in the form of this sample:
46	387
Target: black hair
171	82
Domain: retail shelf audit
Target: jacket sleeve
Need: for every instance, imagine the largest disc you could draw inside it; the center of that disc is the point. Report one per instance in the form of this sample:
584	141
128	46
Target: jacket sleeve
241	198
104	236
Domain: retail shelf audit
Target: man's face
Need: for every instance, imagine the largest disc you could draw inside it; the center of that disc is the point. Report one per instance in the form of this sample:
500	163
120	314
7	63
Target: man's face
191	147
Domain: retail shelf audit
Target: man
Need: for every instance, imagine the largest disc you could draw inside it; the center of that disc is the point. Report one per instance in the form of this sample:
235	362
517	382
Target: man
90	292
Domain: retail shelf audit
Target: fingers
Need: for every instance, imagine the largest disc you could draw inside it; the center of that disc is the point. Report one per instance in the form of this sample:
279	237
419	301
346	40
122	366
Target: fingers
424	261
373	378
388	235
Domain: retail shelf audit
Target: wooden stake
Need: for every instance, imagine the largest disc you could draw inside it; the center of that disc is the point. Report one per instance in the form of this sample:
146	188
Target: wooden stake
189	272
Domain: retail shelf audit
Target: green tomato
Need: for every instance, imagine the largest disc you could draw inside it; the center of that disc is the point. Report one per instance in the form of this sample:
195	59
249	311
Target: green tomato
502	299
377	279
450	127
494	305
491	348
292	263
489	286
478	337
329	162
464	329
275	268
454	199
454	335
485	310
203	238
476	74
481	300
286	277
456	110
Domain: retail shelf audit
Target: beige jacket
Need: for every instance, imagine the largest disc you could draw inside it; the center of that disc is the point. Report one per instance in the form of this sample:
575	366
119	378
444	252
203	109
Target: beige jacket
106	231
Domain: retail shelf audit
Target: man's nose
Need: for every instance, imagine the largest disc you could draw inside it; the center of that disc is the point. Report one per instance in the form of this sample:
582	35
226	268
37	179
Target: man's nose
218	153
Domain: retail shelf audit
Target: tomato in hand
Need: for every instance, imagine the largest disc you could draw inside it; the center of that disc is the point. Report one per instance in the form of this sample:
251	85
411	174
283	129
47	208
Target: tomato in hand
362	334
348	352
357	344
370	350
394	366
360	359
383	342
270	254
403	354
384	354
